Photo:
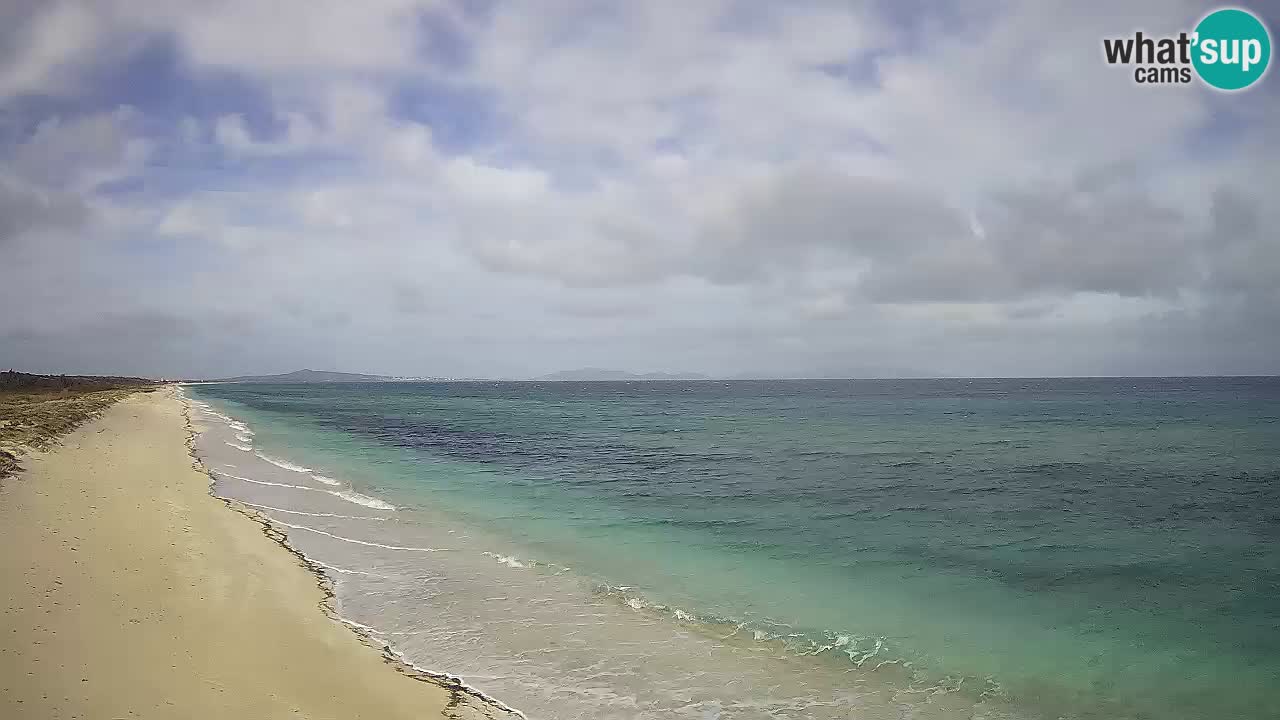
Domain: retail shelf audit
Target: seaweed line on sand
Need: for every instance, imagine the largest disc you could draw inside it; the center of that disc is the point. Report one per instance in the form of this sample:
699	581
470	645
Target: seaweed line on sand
462	697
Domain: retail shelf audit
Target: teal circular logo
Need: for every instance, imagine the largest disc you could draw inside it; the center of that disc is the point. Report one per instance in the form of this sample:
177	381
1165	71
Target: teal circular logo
1232	49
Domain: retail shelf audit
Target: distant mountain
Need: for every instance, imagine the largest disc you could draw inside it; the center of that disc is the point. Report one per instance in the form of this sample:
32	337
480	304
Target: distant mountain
309	376
843	372
601	374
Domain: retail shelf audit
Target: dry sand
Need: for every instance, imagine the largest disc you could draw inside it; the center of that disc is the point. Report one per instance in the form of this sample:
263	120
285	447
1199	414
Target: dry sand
126	590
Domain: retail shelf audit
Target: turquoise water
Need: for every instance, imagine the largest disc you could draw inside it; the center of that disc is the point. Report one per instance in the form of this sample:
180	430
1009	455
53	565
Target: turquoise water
1061	548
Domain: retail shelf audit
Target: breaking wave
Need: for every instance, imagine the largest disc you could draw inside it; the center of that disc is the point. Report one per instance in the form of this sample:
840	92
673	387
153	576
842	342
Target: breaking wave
282	463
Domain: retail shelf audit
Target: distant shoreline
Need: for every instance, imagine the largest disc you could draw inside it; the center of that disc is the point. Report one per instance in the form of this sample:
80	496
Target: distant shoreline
992	378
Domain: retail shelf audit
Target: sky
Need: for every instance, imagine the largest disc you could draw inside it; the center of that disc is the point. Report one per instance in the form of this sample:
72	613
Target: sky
506	189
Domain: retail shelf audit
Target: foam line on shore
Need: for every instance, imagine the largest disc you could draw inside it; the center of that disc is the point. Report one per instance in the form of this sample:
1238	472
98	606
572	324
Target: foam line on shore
292	467
344	571
353	540
350	496
314	514
400	657
273	484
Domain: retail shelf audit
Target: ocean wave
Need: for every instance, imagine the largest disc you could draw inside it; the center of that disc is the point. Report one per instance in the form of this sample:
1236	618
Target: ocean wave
353	540
857	649
350	496
207	410
242	431
282	463
326	480
362	499
344	571
359	625
314	514
238	446
267	482
508	560
454	679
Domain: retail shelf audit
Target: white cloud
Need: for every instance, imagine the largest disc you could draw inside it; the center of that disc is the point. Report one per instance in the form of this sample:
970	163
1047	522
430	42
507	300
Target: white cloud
795	185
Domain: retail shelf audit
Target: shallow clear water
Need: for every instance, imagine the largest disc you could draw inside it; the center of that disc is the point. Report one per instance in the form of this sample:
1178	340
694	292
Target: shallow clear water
948	548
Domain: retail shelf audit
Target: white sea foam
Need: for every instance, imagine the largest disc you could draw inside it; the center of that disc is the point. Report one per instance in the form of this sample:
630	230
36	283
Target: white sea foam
246	438
635	603
325	480
344	571
273	484
362	499
860	658
350	496
367	628
353	540
508	560
453	679
238	446
282	463
314	514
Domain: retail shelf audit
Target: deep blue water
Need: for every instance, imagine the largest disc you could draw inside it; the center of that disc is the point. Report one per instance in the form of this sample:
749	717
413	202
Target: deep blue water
1080	547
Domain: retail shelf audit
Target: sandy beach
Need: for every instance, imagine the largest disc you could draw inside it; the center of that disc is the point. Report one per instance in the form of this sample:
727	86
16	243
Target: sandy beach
127	590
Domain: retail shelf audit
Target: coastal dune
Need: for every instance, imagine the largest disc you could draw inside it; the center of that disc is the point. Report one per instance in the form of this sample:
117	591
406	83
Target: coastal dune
127	590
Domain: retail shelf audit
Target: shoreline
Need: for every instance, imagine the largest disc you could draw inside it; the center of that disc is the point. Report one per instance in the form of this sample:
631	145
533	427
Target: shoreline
127	589
455	685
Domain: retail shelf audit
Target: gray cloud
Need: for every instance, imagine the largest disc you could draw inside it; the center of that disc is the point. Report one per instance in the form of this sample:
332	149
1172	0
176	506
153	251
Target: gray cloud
119	342
1050	241
25	209
891	241
1243	248
409	299
64	153
810	217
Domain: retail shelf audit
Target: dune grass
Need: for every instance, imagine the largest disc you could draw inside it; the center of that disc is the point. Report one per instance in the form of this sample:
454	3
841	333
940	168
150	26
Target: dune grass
36	409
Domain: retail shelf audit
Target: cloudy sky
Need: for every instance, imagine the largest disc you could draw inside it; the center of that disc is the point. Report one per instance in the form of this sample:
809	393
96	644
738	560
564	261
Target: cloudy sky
488	188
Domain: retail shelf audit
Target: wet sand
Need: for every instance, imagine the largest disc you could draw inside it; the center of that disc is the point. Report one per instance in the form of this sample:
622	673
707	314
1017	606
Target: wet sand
127	590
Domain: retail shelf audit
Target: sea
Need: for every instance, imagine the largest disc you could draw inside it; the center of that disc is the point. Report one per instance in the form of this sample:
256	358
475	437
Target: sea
870	549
